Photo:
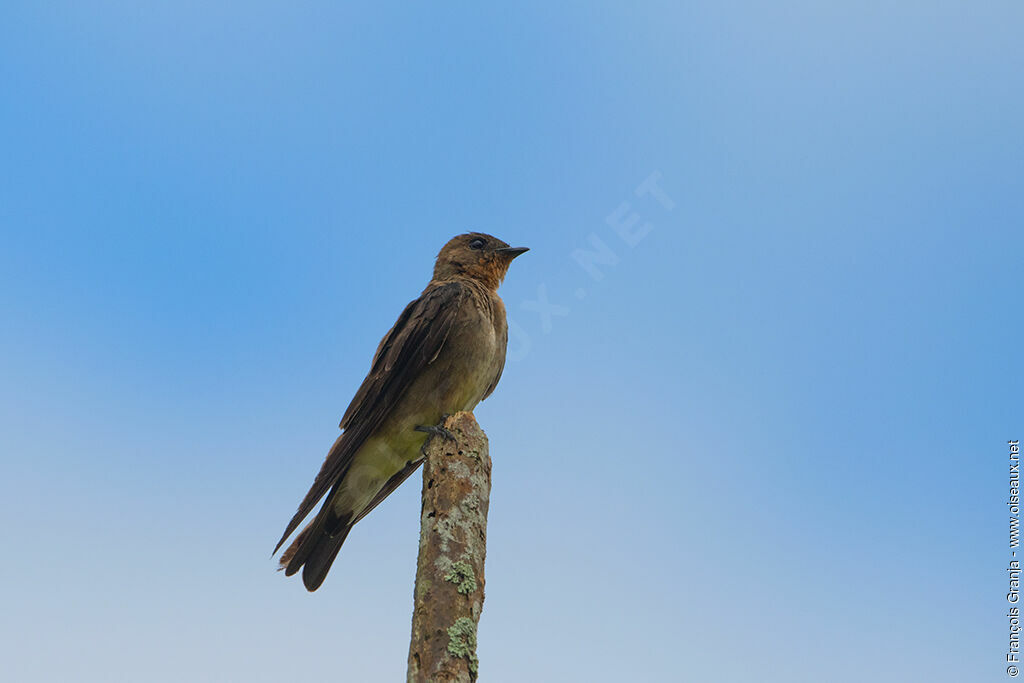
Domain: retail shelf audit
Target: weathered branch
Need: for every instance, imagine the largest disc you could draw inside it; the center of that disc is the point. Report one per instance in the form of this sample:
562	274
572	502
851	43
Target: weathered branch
449	593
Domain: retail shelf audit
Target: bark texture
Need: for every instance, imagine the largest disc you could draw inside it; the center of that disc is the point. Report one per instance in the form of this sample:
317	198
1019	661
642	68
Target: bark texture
449	593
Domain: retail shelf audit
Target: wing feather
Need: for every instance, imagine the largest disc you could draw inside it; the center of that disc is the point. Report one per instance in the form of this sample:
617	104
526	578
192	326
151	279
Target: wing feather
414	342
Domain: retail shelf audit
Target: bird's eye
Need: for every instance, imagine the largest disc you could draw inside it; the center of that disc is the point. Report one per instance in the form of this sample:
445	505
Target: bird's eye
477	244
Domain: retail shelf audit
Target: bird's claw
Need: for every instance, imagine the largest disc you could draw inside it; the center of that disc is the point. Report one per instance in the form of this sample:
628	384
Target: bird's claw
437	430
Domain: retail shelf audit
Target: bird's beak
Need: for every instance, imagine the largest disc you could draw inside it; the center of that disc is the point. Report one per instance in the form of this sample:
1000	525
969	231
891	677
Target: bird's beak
512	252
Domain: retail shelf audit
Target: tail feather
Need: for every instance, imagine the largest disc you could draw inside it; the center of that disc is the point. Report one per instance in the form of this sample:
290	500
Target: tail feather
314	550
289	554
319	562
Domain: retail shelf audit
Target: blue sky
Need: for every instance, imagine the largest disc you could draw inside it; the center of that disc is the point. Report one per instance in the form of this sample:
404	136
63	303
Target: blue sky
768	444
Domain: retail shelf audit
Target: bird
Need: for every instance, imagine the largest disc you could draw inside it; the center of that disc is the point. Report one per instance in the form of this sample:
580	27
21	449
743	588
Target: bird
444	354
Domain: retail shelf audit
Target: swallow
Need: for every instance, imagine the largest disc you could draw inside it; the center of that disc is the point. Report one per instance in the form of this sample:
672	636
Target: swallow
444	354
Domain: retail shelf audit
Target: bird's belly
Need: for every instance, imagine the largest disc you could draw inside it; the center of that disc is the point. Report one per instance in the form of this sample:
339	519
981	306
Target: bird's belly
380	458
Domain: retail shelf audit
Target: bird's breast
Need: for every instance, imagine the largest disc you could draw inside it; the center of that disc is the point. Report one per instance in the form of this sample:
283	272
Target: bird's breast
472	363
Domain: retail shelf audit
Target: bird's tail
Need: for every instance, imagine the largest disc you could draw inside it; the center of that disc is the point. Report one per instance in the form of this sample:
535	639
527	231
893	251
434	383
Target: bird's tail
314	550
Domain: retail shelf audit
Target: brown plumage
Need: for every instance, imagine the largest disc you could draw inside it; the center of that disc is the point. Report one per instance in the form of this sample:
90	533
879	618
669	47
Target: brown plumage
445	353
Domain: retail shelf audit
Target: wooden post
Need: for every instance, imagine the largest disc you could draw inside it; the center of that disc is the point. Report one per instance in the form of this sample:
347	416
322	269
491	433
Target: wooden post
449	592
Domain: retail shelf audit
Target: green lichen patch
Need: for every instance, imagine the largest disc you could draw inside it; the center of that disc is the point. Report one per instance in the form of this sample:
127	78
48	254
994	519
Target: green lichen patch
462	642
461	574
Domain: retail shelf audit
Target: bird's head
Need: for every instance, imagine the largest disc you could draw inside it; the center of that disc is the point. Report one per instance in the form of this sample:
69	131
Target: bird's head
478	256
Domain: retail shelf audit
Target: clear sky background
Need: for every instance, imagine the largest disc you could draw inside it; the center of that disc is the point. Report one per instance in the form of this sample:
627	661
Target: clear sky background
768	444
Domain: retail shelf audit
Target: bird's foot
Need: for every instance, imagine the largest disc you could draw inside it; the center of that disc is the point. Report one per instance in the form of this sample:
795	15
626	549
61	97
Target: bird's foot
437	430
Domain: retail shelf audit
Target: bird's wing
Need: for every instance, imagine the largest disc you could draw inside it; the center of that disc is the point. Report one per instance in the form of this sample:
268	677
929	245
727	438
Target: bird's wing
410	346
